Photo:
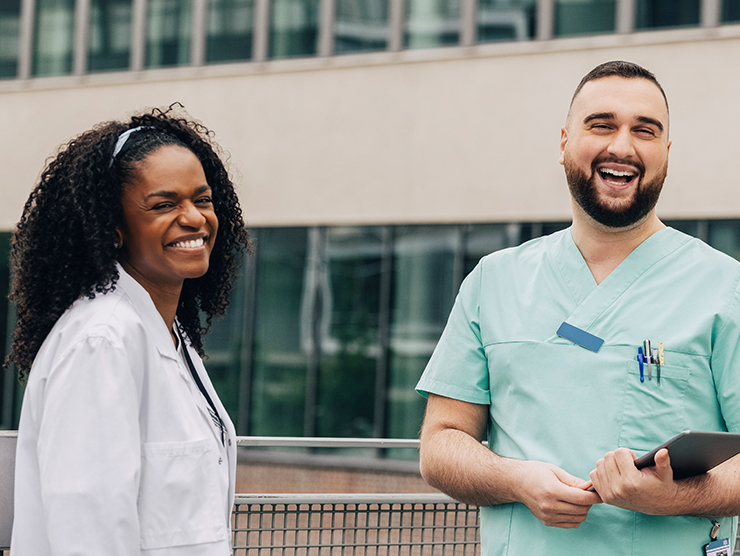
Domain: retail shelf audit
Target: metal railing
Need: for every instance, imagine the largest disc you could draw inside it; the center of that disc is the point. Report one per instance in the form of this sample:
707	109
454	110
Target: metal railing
349	524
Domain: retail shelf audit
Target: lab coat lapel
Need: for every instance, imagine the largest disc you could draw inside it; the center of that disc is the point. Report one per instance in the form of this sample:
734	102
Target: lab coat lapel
593	300
144	305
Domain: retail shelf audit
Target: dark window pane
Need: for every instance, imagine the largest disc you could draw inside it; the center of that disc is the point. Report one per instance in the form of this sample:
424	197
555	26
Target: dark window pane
8	382
110	35
578	17
483	239
651	14
730	11
10	13
361	25
506	20
349	332
223	347
281	333
294	28
53	37
230	24
423	293
725	236
431	23
168	33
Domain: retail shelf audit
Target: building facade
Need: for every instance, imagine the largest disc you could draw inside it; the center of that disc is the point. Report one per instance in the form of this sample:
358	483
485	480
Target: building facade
381	147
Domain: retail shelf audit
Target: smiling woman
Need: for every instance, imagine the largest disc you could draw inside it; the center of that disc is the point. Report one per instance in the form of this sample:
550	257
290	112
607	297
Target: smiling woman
132	232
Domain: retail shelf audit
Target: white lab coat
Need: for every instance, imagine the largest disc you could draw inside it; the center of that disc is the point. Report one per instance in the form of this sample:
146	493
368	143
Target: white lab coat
117	454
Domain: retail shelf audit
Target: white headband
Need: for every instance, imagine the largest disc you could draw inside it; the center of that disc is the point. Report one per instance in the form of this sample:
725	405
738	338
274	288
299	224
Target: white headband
122	141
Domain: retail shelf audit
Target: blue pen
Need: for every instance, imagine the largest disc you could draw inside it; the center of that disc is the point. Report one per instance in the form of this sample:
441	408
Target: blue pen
641	360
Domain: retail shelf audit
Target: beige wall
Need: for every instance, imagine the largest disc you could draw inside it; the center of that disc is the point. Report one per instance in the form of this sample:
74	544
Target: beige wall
450	135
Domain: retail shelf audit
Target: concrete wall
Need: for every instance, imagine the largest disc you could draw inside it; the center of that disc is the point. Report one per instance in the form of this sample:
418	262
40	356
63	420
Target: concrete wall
444	135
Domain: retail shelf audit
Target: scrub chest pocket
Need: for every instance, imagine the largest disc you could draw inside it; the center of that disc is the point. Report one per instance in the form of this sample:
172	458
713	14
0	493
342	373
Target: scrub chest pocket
178	501
653	412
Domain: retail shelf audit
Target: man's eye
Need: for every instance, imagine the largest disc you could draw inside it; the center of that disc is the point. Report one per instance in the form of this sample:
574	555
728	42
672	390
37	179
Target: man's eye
162	206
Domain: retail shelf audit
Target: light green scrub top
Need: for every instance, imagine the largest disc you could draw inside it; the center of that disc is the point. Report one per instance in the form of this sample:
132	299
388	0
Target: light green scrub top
551	400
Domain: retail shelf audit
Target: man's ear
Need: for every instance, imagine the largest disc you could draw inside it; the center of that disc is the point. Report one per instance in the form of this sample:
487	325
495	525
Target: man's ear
563	142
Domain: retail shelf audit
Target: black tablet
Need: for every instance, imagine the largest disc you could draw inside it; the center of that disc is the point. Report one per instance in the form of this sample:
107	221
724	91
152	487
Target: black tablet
695	452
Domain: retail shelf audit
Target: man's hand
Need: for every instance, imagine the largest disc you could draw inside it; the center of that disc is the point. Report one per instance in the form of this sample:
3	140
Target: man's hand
555	497
650	490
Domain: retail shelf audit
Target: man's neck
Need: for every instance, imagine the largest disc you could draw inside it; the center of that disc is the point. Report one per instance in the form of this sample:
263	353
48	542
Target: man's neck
605	248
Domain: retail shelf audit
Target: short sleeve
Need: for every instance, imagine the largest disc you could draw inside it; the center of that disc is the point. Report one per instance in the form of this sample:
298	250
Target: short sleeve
458	367
725	363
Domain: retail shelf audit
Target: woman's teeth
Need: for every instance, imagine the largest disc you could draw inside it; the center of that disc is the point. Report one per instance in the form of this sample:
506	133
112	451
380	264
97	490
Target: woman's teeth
192	244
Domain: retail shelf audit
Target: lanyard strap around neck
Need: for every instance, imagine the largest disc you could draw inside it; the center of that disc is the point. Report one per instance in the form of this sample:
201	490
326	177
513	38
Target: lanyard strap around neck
214	412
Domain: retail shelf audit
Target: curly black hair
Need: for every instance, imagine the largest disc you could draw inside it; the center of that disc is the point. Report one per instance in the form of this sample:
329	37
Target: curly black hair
64	245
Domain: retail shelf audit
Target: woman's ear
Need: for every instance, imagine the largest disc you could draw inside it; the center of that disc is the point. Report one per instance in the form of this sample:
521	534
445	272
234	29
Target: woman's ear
119	238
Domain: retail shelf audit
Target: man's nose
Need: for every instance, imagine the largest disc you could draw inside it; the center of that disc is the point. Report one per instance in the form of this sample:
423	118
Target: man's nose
621	145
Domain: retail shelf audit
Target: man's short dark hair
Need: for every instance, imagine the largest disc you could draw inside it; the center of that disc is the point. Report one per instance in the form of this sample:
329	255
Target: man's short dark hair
619	68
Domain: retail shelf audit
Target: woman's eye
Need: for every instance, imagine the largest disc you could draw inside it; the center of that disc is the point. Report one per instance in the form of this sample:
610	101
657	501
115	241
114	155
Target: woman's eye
205	201
162	206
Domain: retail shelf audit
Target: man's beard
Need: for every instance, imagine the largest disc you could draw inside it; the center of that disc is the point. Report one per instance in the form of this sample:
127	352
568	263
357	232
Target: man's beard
586	194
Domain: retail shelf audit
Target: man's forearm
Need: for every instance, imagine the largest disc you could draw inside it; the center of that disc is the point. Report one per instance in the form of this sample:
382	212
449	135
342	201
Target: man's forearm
460	466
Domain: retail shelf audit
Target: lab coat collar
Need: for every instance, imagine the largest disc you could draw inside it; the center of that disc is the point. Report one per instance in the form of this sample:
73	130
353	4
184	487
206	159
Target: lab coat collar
144	305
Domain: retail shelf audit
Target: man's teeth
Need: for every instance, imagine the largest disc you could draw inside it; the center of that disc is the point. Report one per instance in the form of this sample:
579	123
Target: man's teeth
192	244
617	173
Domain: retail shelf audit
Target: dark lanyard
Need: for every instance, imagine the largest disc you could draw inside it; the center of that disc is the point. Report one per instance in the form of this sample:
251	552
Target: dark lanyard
214	412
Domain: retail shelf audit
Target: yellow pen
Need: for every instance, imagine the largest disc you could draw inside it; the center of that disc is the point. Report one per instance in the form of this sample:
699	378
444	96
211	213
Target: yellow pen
661	359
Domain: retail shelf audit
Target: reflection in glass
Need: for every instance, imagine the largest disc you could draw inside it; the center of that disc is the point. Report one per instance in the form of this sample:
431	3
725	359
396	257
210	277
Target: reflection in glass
578	17
724	235
506	20
432	23
109	45
349	332
53	37
361	25
483	239
294	28
423	293
652	14
229	34
278	389
730	11
10	14
223	347
168	33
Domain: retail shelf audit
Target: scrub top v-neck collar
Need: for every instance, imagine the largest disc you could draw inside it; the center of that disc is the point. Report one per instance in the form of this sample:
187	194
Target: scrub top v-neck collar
590	298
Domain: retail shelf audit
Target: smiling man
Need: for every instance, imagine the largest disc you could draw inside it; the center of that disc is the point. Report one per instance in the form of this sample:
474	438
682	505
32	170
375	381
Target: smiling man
540	356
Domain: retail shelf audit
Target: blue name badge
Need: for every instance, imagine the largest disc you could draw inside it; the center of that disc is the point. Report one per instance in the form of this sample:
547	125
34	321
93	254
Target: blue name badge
719	547
580	337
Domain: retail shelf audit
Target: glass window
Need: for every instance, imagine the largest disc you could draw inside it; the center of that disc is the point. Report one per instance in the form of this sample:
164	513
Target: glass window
651	14
349	332
483	239
578	17
431	23
7	376
230	24
361	25
168	33
10	15
223	347
294	28
281	333
730	11
506	20
109	45
724	235
423	293
53	37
